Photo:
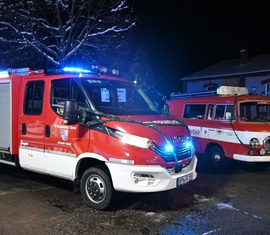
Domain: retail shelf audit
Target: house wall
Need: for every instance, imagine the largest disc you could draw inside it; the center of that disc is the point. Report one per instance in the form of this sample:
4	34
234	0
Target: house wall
192	86
249	82
257	82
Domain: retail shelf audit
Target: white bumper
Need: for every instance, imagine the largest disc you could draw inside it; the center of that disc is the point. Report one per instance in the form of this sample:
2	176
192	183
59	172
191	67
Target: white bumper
248	158
149	178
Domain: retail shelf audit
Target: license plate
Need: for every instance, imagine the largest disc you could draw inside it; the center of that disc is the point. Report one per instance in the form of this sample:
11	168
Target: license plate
184	179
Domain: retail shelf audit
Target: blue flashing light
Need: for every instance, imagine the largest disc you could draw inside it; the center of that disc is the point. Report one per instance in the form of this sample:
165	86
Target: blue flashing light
168	147
188	144
4	74
76	70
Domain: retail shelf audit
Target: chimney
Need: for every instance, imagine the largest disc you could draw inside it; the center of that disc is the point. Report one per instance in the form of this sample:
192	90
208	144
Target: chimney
243	56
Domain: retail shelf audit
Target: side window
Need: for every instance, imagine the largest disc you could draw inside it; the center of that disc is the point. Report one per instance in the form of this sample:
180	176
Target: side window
33	98
210	110
195	111
224	112
66	89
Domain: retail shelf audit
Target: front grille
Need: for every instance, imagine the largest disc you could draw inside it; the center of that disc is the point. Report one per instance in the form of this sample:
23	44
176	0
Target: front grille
266	144
181	152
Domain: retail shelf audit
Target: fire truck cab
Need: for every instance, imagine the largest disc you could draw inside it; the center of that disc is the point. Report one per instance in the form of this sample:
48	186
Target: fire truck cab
227	123
99	131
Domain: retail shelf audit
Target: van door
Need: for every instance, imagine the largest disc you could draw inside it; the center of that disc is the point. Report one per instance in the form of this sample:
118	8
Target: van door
221	131
31	126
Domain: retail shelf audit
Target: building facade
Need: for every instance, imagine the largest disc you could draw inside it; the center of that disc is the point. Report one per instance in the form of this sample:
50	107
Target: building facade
250	72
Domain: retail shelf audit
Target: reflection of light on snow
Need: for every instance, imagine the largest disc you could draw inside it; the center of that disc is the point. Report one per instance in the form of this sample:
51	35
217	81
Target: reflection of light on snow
224	206
157	217
150	213
200	198
211	231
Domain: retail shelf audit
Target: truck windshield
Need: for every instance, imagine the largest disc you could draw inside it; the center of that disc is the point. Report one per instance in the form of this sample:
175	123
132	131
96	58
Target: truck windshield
255	111
118	98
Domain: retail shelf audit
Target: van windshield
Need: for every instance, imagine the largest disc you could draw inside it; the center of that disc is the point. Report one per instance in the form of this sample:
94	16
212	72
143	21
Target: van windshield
118	98
255	111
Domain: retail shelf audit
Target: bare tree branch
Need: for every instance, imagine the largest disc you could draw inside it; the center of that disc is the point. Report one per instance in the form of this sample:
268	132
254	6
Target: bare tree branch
57	30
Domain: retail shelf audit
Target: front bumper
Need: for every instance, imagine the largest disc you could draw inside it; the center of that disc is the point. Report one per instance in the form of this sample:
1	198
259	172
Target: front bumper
249	158
149	178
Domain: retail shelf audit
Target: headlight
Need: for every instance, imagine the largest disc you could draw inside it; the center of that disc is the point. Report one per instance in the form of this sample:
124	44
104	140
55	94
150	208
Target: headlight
133	139
254	143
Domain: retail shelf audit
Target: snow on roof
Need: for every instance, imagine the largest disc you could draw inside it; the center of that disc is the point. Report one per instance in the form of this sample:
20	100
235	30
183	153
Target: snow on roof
226	68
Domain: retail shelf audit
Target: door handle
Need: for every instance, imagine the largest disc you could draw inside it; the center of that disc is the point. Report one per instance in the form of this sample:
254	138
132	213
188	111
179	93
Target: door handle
211	129
24	128
47	131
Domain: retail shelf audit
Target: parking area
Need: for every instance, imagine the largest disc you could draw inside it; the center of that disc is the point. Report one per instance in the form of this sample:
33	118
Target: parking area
229	202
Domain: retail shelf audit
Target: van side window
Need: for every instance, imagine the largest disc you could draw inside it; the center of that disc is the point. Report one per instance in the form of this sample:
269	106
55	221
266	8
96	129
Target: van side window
209	113
224	112
33	98
195	111
66	89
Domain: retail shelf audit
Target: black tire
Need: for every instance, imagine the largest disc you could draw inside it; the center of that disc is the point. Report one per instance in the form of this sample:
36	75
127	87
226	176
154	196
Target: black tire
96	188
217	157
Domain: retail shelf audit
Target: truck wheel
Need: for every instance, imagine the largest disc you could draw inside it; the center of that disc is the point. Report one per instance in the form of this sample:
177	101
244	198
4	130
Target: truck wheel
96	188
217	157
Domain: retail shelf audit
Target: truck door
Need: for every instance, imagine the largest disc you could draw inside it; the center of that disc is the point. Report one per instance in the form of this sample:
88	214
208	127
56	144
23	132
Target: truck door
31	126
63	143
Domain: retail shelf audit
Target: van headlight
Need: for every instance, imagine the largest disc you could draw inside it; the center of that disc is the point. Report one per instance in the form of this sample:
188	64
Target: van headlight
135	140
254	143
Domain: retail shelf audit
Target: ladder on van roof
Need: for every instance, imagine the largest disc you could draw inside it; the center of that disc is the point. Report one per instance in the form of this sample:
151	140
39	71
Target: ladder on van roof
192	94
222	90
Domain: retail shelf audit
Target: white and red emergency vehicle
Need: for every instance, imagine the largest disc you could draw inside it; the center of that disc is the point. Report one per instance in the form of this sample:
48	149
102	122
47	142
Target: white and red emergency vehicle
101	132
227	123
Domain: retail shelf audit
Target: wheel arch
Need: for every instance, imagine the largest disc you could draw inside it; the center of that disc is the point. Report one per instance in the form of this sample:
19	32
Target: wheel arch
87	160
211	145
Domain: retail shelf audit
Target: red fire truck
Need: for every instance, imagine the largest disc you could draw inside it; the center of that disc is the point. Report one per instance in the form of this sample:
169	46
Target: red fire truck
227	123
99	131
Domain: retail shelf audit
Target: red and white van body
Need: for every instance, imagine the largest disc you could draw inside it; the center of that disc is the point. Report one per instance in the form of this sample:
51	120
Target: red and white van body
119	144
229	124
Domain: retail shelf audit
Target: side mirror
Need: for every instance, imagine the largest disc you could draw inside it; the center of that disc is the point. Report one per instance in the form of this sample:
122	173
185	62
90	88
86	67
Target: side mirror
71	112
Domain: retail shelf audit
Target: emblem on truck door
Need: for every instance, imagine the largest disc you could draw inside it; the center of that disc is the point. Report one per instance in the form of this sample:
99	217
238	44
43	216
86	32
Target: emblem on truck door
64	135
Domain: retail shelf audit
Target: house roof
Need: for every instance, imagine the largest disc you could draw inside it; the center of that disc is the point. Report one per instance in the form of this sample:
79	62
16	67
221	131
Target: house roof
232	68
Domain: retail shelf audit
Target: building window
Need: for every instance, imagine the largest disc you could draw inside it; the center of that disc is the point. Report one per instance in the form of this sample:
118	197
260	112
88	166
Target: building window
267	89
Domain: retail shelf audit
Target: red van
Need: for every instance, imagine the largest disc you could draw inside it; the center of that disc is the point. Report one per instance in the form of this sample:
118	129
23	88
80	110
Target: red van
227	123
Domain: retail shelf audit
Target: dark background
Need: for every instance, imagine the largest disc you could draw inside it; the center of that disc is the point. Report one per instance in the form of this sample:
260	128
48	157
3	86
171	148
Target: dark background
186	36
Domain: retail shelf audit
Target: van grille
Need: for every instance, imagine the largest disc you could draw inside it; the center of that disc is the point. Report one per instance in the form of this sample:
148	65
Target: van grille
182	152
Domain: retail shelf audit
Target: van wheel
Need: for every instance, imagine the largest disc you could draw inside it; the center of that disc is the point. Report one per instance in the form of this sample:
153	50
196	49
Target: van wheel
96	188
217	157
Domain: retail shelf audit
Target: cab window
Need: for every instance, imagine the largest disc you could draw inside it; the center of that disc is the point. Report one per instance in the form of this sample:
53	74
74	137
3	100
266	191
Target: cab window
33	99
66	89
224	112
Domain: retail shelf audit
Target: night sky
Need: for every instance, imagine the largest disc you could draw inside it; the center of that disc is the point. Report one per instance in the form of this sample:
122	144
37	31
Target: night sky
193	35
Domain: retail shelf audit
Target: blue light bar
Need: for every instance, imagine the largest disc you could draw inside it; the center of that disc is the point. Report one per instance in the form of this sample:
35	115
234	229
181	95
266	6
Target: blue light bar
4	74
76	70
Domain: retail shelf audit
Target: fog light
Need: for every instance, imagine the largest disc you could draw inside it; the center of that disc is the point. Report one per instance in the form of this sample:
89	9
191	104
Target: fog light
142	179
262	151
254	143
